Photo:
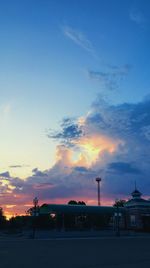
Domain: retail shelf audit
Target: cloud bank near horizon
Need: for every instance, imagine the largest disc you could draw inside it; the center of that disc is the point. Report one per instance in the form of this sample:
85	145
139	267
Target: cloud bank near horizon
111	141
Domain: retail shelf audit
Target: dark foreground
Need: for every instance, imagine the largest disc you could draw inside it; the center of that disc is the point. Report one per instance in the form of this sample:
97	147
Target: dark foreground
76	253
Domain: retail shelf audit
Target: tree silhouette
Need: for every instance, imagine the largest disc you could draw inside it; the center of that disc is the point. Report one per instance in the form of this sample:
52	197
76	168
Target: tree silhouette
73	202
3	220
119	203
82	203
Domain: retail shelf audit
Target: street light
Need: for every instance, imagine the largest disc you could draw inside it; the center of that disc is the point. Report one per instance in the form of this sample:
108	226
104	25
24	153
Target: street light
35	203
35	213
98	180
117	219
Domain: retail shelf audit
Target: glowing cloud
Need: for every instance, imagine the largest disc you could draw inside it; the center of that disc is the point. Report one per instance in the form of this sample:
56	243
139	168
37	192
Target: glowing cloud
92	147
110	141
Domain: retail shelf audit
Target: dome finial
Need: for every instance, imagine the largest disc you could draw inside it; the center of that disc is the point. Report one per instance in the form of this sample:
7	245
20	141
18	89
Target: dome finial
136	193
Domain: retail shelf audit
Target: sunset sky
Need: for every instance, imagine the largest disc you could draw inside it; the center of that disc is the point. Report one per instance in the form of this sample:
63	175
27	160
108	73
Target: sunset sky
75	100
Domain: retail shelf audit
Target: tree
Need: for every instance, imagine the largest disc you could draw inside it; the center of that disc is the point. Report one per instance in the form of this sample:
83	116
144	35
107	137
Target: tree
82	203
119	203
19	222
31	211
3	220
73	202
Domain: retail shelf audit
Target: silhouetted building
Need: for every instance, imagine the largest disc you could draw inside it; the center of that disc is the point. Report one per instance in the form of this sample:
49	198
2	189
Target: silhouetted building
79	216
134	215
138	212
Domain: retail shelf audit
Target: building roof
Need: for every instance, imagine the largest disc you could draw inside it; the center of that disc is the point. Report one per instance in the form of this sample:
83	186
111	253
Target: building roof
76	209
137	201
136	194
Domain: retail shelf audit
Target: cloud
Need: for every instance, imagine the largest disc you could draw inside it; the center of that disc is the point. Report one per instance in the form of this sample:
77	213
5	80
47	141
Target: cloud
15	166
38	173
111	78
81	169
123	167
106	79
114	143
70	130
18	166
137	16
120	70
116	138
5	174
78	38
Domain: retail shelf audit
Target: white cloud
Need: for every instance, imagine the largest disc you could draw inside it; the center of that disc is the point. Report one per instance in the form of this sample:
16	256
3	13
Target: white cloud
79	38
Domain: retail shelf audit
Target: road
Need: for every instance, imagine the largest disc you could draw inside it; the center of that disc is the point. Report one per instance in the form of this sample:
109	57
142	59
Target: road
116	252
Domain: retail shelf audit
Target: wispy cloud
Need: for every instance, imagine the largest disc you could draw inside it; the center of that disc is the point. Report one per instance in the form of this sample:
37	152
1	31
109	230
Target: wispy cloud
78	38
120	70
137	16
106	79
18	166
111	78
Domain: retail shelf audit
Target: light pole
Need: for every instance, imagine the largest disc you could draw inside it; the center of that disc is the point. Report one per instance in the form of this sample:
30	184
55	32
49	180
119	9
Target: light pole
98	180
117	216
35	204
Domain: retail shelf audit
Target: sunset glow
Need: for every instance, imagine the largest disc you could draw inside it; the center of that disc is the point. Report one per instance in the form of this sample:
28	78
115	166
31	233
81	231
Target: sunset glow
92	147
75	101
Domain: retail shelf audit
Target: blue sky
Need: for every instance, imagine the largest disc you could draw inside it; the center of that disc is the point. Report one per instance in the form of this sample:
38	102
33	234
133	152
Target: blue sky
61	59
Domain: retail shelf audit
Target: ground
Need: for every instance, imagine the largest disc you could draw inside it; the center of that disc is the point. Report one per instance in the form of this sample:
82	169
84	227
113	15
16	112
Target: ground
114	252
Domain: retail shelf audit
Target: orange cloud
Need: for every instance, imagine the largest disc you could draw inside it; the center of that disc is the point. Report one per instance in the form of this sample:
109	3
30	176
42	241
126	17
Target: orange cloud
89	150
93	146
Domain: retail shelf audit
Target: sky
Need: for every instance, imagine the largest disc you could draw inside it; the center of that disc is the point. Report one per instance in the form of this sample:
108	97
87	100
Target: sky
75	100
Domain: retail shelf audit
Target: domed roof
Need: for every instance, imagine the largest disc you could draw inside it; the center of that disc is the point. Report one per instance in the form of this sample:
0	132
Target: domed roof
136	194
136	200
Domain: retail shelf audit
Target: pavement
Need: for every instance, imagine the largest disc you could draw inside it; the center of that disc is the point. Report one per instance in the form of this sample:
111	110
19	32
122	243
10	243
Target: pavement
114	252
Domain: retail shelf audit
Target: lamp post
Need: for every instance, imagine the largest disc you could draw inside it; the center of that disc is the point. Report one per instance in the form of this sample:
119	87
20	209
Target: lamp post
35	204
117	214
98	180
